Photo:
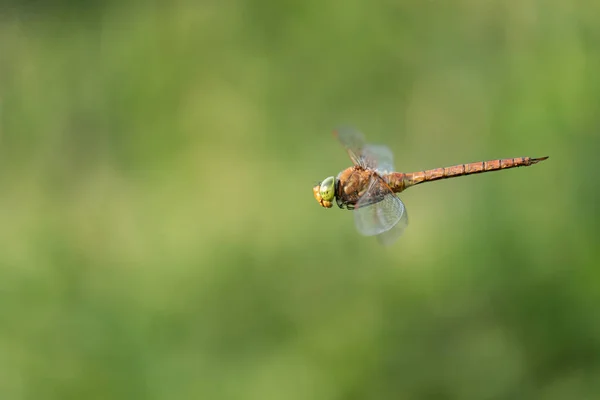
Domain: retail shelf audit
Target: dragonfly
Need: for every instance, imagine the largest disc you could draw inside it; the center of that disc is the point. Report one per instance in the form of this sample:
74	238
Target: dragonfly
370	186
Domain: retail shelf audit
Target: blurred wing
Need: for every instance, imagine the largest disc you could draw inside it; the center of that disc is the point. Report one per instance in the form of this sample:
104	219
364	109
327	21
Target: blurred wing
353	141
388	237
378	157
380	212
373	156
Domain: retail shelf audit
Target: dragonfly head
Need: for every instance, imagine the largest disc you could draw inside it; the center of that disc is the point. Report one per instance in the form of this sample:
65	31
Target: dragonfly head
324	192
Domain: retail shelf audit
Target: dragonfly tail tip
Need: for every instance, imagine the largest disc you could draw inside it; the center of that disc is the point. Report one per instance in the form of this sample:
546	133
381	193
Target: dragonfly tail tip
537	160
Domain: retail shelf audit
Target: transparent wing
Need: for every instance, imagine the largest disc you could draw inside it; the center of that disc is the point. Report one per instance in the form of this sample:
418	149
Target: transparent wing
390	236
380	211
373	156
378	157
353	141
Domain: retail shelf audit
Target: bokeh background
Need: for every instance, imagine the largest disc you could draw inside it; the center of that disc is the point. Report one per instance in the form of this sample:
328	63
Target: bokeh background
158	234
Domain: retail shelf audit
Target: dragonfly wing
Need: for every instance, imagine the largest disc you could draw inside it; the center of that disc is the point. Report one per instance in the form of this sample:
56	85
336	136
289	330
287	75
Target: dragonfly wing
378	157
353	141
379	210
388	237
373	156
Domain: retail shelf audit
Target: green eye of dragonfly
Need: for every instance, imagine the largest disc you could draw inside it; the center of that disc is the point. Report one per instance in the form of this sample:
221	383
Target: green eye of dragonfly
327	188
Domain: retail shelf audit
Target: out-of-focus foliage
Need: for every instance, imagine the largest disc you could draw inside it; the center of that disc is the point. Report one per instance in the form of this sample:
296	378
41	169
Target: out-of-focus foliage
158	235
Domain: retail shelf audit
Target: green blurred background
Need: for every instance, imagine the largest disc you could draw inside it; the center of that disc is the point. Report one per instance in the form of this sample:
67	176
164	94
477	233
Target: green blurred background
158	234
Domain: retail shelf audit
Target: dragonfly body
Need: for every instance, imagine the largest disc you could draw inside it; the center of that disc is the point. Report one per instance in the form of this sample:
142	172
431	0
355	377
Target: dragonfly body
399	181
370	186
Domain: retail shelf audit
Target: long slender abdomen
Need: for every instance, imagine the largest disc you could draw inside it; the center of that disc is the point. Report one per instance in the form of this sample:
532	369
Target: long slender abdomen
399	181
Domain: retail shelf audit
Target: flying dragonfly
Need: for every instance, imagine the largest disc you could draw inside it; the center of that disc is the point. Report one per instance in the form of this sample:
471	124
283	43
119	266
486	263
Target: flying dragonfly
370	186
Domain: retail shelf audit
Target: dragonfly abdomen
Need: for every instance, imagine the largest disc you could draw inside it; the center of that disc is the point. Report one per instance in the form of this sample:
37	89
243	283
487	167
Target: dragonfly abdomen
400	181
